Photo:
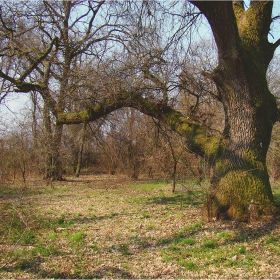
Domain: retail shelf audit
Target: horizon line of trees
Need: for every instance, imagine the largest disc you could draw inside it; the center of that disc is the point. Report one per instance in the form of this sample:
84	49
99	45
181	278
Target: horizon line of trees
132	144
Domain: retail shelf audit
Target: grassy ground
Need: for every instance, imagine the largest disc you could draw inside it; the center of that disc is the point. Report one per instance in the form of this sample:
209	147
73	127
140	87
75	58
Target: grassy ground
109	227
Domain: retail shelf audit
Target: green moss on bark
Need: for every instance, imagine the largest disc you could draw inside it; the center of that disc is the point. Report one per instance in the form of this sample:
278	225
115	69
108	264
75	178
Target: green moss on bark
75	117
198	139
237	191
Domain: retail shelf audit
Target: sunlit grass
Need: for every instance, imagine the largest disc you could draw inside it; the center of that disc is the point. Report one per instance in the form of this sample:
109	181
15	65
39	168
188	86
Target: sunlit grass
276	193
82	226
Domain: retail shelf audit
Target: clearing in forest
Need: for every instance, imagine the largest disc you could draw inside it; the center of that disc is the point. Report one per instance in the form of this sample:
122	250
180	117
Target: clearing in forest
111	227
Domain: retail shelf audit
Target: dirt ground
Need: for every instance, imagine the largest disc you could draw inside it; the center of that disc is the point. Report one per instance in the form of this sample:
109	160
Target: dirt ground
111	227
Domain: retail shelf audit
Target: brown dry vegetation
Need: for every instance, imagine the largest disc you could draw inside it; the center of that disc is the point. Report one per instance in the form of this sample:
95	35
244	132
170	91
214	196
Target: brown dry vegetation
110	227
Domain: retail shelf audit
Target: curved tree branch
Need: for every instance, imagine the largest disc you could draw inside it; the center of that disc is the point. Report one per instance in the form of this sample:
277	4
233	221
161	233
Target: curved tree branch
21	86
198	139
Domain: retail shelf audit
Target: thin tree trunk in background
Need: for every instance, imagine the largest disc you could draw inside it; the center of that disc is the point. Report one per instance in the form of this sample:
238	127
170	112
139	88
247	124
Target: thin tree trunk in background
48	143
57	167
34	118
173	176
80	154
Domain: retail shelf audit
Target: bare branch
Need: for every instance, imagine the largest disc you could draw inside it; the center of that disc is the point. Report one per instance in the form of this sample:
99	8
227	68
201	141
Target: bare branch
155	80
276	44
4	24
39	60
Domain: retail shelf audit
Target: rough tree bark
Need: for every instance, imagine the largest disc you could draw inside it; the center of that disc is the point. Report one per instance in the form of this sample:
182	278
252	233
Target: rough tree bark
240	187
240	179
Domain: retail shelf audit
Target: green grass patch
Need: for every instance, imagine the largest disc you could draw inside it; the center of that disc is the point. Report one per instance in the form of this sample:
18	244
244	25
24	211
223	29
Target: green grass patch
188	265
63	222
145	215
124	249
154	186
76	237
195	226
149	186
209	244
48	250
274	240
187	241
276	193
188	249
108	231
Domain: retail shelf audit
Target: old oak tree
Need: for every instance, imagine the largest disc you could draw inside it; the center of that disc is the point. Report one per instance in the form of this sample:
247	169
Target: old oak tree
240	182
240	187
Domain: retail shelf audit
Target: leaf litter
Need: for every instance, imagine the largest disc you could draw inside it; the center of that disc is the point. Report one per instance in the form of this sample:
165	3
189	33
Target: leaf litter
110	227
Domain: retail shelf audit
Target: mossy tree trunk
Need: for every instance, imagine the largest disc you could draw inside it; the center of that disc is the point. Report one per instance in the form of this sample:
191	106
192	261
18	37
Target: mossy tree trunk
240	187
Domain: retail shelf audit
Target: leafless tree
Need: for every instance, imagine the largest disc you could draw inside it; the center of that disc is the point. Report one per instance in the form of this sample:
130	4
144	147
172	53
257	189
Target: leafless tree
46	42
147	71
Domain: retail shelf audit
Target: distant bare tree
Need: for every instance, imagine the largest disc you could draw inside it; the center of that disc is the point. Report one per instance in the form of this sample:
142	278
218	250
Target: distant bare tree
47	41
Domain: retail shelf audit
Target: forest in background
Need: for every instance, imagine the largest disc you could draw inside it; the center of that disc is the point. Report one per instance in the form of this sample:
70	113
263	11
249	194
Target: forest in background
126	142
124	76
125	100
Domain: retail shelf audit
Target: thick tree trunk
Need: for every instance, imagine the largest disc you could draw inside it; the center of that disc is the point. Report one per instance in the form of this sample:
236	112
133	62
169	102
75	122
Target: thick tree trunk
240	187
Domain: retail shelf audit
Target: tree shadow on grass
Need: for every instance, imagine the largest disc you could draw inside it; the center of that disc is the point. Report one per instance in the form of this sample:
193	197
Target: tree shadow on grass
94	218
184	199
110	271
32	266
243	232
219	245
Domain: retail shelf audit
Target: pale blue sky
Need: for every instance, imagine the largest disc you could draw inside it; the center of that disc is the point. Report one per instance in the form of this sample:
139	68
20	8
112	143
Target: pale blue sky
19	101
